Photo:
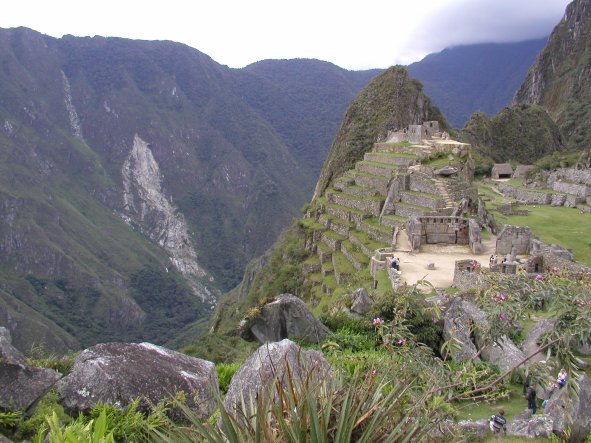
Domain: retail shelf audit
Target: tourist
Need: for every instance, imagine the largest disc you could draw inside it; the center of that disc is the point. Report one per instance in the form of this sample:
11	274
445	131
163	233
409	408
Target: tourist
561	379
531	398
498	422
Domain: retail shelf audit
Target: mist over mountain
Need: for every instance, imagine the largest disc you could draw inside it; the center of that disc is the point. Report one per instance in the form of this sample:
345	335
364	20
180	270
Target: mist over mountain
481	77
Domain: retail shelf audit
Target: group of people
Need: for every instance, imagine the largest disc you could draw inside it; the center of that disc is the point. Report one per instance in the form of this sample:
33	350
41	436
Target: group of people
396	264
498	422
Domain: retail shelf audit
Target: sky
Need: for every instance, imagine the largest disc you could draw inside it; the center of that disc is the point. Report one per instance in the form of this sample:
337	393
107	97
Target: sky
351	34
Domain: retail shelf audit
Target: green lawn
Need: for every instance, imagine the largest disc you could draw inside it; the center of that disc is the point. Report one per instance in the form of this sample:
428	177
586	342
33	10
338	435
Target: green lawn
567	227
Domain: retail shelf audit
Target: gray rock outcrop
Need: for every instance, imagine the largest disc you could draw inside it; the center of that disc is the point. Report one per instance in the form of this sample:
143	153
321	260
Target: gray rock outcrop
360	301
269	363
536	426
118	373
286	317
462	320
571	411
474	428
20	385
457	325
531	342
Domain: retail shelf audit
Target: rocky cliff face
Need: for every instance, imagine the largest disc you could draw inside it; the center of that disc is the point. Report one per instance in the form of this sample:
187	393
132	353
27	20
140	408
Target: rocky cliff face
145	205
560	78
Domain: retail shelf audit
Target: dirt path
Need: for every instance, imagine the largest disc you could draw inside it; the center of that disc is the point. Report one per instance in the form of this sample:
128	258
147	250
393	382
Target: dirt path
414	265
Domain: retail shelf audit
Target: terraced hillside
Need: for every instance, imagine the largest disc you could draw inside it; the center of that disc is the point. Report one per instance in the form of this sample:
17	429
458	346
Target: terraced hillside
367	207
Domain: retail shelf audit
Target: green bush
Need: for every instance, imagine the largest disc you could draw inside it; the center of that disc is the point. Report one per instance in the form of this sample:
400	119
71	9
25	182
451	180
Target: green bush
225	373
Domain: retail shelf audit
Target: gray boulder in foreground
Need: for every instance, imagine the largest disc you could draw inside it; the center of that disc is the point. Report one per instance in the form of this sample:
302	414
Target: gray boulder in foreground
568	410
536	426
269	363
20	385
118	373
286	317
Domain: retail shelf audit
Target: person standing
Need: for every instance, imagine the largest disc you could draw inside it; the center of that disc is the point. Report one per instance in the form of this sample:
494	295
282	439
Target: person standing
531	398
498	422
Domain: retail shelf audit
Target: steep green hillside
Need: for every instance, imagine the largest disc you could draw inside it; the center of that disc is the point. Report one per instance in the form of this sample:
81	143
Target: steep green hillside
138	178
560	79
481	77
392	100
521	133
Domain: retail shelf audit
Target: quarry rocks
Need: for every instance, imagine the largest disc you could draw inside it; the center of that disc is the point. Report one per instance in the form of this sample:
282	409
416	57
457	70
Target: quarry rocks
272	362
360	301
117	373
459	317
20	385
286	317
569	411
537	426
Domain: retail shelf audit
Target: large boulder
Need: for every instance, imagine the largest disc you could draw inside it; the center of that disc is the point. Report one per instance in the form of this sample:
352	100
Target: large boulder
361	302
532	340
286	317
283	362
118	373
464	319
536	426
568	410
457	326
20	385
477	429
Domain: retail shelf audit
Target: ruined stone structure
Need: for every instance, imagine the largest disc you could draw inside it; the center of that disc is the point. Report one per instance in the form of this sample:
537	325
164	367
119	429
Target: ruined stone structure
501	170
443	229
517	237
416	134
521	170
466	275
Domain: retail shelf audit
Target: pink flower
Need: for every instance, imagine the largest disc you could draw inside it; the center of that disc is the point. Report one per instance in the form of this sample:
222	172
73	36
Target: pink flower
475	264
401	342
498	297
378	321
540	277
503	317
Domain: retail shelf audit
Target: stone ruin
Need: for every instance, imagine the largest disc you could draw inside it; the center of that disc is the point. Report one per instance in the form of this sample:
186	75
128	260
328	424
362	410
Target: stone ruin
517	237
415	134
443	229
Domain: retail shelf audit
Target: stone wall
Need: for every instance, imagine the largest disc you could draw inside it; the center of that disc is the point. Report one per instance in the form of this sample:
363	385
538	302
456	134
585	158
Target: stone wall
475	240
582	176
581	190
415	135
518	237
438	229
526	195
421	183
466	276
421	200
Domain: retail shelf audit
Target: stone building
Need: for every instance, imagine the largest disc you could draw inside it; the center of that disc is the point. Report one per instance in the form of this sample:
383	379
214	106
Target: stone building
514	239
501	170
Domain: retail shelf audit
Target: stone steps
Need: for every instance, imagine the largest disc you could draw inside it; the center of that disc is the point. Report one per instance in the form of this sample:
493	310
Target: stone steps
365	179
361	191
380	233
353	215
375	168
311	265
343	269
371	205
366	244
358	259
333	240
324	252
393	220
391	158
327	268
407	210
343	182
415	198
445	193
